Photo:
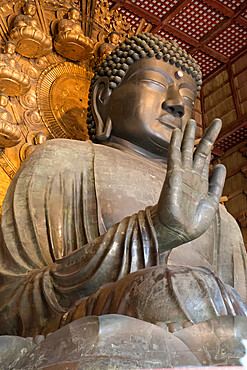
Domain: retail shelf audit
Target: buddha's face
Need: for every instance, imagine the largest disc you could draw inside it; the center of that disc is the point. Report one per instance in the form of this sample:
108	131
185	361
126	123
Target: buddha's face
114	39
74	14
3	101
29	9
153	98
9	48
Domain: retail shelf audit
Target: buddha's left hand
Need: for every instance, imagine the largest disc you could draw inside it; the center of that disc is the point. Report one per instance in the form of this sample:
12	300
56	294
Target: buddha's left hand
189	200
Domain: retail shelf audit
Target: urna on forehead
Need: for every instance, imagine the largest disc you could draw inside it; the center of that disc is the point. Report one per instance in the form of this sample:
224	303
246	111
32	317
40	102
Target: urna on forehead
145	45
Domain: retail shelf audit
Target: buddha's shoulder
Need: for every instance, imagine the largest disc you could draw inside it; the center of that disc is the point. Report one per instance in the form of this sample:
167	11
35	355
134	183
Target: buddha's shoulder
57	149
60	148
67	153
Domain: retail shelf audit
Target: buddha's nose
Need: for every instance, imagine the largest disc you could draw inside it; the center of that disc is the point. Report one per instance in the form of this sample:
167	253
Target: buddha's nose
173	103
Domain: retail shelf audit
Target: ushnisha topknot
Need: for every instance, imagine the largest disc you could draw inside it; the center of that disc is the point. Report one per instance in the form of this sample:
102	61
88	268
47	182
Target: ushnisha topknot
144	45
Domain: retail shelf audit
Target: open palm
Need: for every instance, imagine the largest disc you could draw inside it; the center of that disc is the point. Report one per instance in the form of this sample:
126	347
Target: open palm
188	200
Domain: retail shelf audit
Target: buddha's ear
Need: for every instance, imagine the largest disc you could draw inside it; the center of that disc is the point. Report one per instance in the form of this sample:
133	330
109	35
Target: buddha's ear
100	95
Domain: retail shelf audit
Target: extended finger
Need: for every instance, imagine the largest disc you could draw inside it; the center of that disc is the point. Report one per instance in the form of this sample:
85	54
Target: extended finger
206	144
216	183
205	170
188	144
174	153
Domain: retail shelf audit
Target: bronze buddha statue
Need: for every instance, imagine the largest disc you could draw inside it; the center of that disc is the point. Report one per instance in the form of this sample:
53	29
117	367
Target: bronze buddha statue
79	215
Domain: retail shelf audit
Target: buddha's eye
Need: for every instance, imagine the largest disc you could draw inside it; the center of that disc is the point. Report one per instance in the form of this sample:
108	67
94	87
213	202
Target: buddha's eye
154	84
188	101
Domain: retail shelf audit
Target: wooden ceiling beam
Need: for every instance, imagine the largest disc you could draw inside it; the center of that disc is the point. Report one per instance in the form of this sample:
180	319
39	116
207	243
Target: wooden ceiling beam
234	91
216	4
221	26
117	5
140	12
241	20
171	14
238	124
214	32
218	152
219	69
215	54
181	35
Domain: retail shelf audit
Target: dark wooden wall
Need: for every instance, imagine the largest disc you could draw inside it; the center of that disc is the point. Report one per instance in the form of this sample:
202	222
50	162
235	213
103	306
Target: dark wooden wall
225	96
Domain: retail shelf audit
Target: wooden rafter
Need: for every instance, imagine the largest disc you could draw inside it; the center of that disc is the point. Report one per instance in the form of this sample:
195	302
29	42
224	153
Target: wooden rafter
218	5
171	14
137	10
218	152
234	91
117	4
221	26
221	68
241	20
235	127
181	35
212	53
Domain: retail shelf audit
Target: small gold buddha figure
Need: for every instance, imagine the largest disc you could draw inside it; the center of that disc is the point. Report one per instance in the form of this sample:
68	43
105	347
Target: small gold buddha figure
27	18
31	41
39	139
107	47
72	24
70	41
7	57
13	82
10	134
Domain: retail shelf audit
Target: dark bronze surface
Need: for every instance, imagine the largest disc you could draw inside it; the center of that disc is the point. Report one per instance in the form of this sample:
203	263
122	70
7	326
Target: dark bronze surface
80	215
120	342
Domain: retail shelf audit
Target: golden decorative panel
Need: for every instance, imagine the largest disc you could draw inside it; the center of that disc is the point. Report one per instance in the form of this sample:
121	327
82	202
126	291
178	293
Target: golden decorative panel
70	41
62	92
30	40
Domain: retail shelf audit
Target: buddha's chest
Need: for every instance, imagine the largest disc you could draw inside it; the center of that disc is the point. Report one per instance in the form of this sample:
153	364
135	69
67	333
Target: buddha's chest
125	184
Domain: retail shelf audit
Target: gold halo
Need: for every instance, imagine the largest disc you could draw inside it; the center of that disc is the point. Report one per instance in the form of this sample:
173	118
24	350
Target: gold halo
62	91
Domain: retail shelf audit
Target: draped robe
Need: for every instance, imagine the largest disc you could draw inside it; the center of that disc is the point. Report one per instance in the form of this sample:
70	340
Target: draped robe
76	217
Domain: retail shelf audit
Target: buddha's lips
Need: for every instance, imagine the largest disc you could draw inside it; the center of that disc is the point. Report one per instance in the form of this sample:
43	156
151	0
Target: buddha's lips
170	122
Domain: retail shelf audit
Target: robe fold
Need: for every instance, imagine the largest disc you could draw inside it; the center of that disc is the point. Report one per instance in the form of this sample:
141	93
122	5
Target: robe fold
76	217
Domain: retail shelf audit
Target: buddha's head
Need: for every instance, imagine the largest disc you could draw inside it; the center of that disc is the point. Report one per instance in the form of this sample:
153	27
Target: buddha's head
114	38
29	8
143	90
10	48
4	100
74	14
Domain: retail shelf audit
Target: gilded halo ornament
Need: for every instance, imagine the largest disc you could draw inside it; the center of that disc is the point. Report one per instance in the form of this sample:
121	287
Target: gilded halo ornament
70	42
13	82
31	41
62	98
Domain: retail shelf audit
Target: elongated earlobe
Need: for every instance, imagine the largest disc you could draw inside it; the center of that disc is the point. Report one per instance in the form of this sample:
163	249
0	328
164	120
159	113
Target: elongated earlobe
101	93
105	135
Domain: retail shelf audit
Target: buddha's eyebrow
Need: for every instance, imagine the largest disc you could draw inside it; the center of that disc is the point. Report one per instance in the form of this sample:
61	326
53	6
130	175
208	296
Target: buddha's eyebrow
185	85
153	69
